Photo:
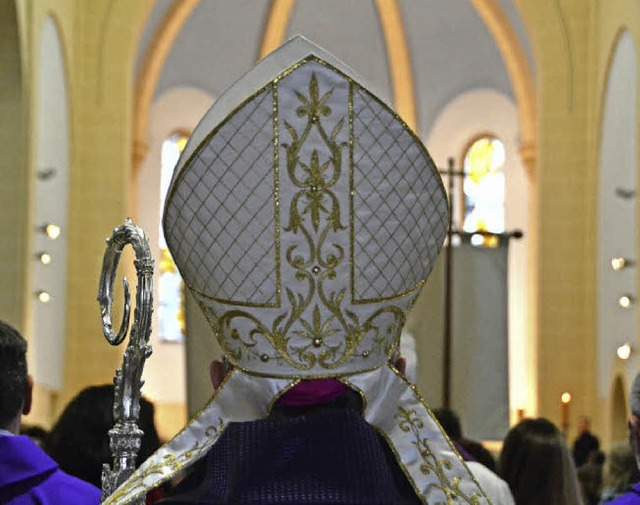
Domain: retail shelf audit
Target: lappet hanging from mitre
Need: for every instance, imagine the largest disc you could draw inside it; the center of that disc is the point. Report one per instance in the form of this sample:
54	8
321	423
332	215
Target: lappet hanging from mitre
305	217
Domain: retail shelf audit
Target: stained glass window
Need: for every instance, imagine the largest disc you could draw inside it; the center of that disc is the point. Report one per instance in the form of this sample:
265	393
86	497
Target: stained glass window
484	187
171	304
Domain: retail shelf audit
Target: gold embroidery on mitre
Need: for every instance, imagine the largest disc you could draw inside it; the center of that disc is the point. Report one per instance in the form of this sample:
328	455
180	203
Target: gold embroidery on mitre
311	329
315	313
409	421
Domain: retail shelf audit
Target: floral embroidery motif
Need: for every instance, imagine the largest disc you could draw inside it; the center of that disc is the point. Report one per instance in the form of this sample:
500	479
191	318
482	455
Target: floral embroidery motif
165	467
409	421
304	336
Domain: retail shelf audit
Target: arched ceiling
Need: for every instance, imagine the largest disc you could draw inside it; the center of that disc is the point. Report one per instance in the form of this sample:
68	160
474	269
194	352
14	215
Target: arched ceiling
349	30
516	21
218	43
451	49
452	52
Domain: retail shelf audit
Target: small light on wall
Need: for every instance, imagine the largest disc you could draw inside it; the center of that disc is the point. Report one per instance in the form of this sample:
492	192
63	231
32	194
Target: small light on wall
625	193
52	230
624	351
618	263
565	398
44	296
625	301
44	257
477	239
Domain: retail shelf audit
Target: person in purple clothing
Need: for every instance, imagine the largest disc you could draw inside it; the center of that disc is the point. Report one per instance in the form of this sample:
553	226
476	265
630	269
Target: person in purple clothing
633	496
27	475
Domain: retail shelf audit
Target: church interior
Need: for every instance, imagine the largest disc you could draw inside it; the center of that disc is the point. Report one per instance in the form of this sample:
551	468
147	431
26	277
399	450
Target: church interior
534	102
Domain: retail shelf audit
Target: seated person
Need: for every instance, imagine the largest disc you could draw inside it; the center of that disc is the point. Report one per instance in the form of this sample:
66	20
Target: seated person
79	440
632	496
536	463
27	474
494	486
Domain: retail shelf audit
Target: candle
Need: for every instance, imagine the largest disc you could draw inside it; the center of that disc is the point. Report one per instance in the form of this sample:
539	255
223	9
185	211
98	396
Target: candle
565	401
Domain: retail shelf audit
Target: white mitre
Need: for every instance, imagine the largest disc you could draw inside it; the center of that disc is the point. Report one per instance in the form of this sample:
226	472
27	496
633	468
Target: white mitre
305	216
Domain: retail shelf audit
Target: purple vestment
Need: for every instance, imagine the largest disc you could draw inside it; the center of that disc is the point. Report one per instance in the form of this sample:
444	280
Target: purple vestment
631	498
29	477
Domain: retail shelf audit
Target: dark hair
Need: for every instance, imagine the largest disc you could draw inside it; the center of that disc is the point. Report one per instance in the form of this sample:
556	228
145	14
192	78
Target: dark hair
13	373
450	422
537	465
478	452
79	441
36	433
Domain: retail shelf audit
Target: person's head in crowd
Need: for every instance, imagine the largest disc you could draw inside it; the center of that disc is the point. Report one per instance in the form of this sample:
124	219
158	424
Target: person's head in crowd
15	384
470	450
537	465
27	474
479	453
450	422
634	419
590	476
583	425
79	441
622	470
596	458
36	433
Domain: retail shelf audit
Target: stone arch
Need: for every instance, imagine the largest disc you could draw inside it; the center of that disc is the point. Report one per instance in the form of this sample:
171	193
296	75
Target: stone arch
400	66
519	72
618	411
51	195
273	35
470	115
395	42
178	109
399	62
617	216
152	64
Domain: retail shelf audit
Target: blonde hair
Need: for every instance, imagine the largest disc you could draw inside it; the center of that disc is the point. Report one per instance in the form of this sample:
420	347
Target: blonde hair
622	468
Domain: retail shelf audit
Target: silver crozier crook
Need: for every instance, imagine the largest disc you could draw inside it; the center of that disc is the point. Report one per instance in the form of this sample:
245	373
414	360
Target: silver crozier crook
125	436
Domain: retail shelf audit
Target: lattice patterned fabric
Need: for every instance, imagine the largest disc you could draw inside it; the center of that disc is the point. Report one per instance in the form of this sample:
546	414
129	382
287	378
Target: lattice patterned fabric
305	221
397	198
226	211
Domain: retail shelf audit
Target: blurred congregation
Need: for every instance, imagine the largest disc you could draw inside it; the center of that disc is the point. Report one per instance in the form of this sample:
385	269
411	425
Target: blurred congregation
535	462
525	339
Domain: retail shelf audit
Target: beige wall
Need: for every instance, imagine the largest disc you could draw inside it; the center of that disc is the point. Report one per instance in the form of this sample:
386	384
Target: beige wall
98	41
14	181
572	44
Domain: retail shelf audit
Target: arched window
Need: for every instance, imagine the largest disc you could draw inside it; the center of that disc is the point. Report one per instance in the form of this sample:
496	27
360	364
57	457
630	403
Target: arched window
171	302
483	187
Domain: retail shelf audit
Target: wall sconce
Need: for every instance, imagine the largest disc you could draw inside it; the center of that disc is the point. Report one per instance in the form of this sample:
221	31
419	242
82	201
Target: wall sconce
626	301
47	173
43	296
52	230
620	263
625	193
44	257
624	351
